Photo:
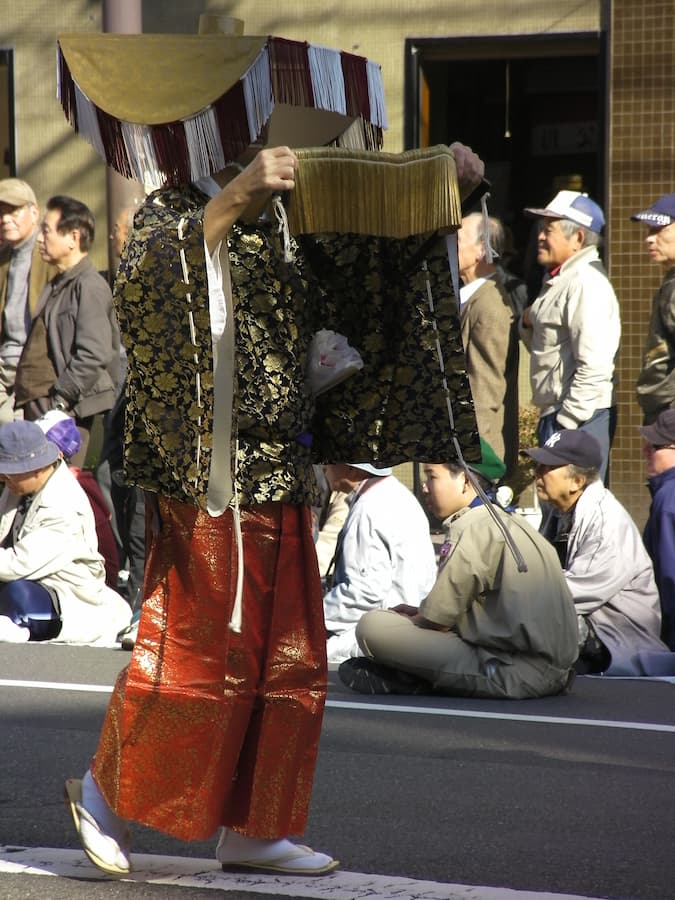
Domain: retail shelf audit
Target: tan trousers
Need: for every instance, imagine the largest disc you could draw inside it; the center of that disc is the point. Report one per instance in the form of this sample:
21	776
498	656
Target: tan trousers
452	665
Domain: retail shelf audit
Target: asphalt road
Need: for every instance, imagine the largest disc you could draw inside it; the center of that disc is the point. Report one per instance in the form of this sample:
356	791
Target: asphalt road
568	795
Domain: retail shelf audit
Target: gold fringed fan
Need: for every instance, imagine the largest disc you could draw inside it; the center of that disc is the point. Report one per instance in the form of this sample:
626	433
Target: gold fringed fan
391	195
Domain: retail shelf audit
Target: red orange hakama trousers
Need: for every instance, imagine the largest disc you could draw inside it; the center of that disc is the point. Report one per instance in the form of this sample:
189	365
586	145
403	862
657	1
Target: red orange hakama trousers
208	727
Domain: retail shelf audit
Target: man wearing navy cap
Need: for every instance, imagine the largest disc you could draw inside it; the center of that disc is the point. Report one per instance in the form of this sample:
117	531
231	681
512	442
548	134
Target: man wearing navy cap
656	381
605	564
572	329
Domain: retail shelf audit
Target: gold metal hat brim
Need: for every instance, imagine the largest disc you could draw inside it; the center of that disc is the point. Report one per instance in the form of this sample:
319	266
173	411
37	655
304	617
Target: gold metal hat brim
151	79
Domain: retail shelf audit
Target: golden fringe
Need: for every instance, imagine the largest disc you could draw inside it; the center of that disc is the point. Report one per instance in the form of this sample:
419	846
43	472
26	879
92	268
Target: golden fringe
391	195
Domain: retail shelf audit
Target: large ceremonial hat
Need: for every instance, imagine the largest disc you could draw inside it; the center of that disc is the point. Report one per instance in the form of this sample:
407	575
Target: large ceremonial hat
167	109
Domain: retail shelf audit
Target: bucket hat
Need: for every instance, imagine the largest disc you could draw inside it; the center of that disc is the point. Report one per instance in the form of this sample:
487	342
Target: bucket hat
24	448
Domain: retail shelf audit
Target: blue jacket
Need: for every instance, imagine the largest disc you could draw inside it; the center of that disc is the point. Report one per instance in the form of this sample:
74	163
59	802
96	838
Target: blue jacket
659	538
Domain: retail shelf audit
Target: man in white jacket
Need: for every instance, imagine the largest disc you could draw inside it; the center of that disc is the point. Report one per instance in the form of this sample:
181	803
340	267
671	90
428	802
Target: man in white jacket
52	577
573	328
384	555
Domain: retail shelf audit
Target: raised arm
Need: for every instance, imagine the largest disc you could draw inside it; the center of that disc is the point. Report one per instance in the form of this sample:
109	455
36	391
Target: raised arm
244	195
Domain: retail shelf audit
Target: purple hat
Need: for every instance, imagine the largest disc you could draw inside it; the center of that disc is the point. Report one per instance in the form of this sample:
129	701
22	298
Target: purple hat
574	206
569	447
662	431
60	428
24	448
660	213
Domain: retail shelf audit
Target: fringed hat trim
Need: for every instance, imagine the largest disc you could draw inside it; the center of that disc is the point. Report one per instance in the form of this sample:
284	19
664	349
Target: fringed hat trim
167	109
392	195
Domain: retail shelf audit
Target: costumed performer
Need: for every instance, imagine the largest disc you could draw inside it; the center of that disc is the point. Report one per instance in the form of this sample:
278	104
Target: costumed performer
216	721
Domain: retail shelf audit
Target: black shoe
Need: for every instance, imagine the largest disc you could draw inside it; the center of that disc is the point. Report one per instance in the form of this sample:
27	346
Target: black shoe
367	677
569	681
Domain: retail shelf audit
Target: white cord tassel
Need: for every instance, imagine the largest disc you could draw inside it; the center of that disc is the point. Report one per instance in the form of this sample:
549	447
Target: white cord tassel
281	218
490	253
235	618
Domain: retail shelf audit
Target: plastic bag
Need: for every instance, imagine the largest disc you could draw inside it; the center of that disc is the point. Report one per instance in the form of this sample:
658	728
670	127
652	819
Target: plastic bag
331	360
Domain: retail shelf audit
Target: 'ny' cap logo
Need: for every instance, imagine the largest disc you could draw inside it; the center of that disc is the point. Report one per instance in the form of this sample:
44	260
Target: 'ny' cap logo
553	440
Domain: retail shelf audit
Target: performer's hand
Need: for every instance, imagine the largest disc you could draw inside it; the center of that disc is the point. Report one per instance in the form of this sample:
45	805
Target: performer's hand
272	171
245	193
405	609
470	167
421	622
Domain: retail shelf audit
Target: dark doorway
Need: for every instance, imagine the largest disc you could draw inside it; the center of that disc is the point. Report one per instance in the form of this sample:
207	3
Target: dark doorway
532	107
7	156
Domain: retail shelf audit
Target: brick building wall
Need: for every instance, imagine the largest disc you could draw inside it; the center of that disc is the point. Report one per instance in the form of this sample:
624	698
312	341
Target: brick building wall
641	168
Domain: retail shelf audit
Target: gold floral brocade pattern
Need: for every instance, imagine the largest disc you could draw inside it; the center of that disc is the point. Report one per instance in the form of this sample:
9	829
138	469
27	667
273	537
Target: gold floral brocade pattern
373	290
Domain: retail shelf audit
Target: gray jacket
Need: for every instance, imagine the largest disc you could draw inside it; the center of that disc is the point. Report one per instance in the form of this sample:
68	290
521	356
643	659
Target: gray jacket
611	578
573	340
83	338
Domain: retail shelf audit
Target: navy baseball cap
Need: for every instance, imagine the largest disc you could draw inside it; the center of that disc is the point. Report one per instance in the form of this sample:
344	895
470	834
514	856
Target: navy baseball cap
572	446
662	431
660	213
574	206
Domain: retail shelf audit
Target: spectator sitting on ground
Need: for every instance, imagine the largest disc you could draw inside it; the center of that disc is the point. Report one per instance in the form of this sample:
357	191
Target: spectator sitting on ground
487	629
604	561
60	428
331	519
52	575
384	554
659	533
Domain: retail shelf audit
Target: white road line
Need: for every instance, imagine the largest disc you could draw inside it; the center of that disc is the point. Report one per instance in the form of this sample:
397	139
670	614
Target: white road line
184	872
510	717
57	686
408	710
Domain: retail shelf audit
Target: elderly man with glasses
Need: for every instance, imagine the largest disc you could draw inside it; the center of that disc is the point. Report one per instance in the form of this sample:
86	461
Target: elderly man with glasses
23	274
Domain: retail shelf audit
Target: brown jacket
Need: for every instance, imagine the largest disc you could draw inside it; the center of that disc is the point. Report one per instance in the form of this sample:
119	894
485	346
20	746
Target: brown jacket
491	346
40	273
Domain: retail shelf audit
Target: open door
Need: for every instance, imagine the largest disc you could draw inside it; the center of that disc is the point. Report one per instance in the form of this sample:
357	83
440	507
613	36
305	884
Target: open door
532	106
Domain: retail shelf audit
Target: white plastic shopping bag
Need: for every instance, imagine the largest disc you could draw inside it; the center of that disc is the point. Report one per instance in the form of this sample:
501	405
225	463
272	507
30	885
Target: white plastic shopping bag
331	360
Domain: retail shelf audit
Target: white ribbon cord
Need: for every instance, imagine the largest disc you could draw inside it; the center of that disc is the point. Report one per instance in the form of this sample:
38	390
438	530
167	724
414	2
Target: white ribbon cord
490	253
280	214
453	259
236	617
